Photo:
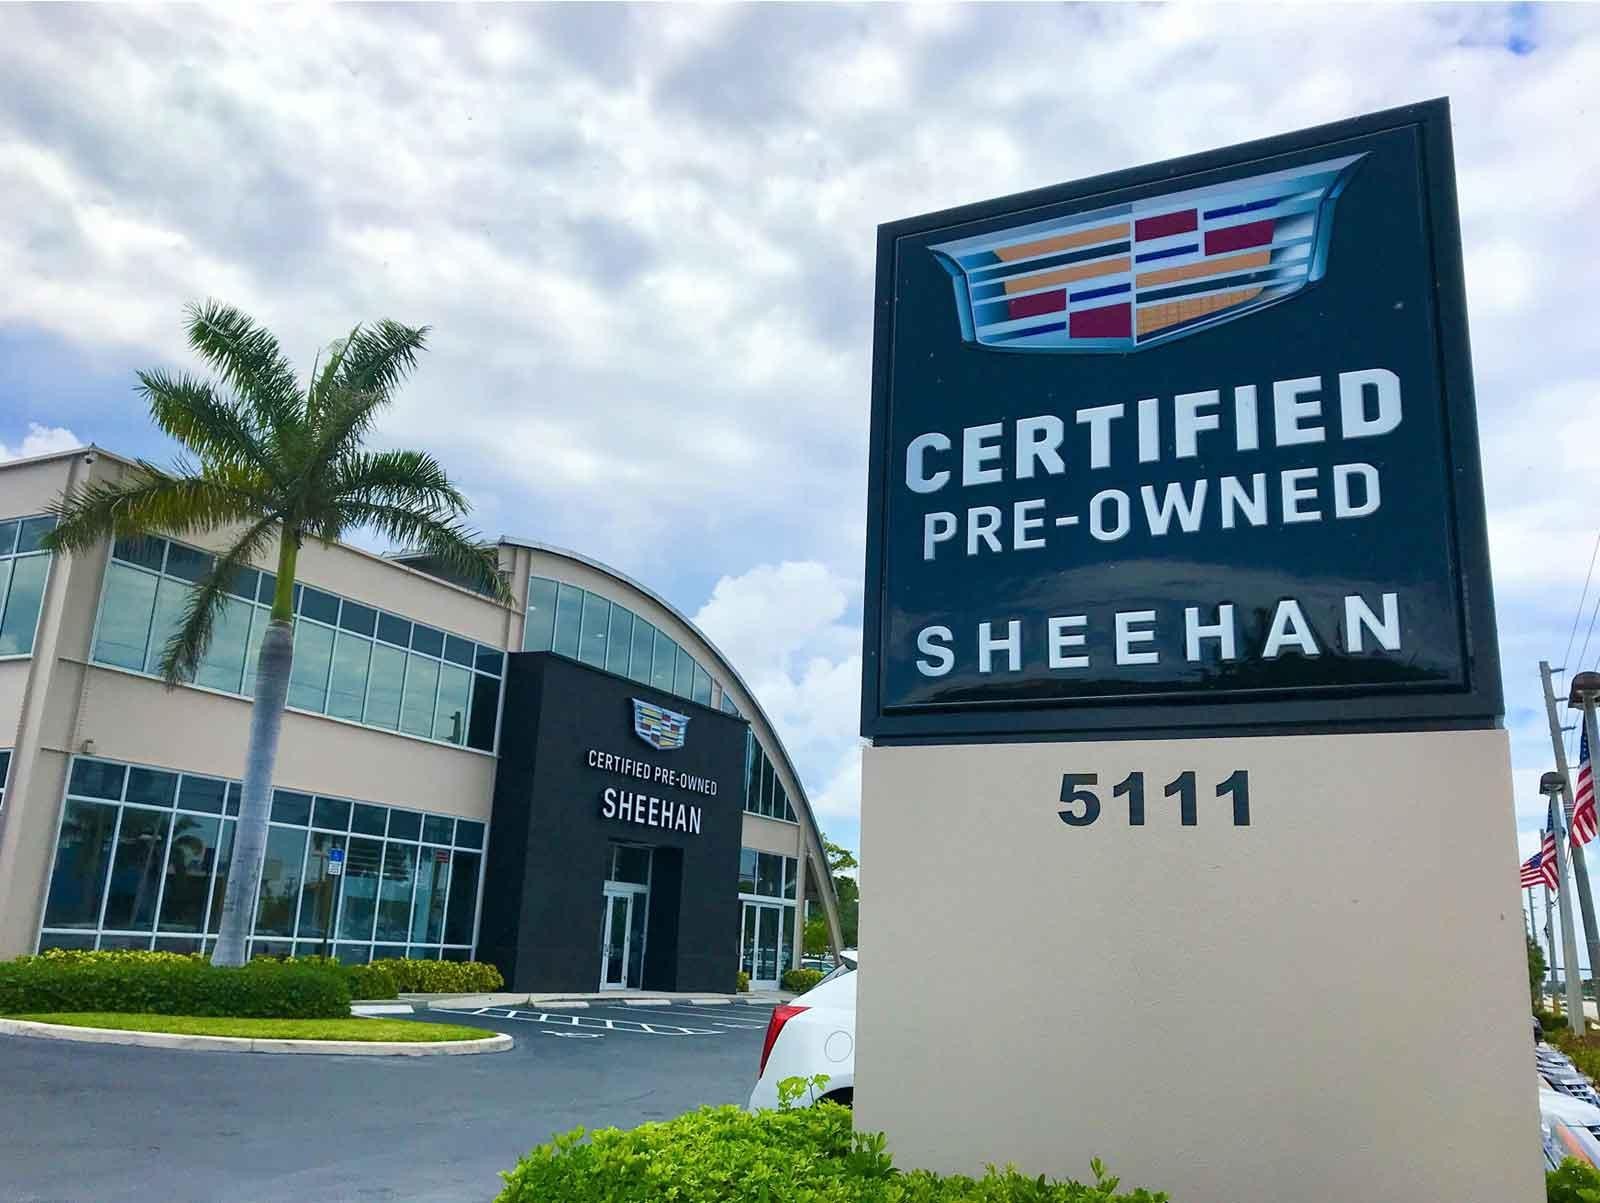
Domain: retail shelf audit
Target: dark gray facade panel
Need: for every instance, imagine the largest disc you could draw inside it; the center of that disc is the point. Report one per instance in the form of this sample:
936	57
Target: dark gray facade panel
543	905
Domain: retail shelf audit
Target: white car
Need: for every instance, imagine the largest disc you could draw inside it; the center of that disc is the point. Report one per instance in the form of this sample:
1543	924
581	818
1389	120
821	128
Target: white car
1570	1128
814	1034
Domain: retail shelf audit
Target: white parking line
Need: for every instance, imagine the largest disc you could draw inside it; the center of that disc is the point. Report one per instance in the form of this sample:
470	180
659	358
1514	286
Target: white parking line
592	1022
718	1022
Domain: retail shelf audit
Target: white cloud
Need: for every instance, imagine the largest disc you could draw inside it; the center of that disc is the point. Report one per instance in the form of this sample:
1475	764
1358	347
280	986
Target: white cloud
41	440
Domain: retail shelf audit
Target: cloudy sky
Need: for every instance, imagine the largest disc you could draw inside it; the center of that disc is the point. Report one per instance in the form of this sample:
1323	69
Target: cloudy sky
644	238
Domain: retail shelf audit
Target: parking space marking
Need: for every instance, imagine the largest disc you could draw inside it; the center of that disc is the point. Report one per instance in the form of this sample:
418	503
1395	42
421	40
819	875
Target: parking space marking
719	1022
590	1022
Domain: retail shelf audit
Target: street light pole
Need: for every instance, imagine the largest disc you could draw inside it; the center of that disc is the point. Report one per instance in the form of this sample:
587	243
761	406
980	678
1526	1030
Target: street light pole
1552	786
1550	940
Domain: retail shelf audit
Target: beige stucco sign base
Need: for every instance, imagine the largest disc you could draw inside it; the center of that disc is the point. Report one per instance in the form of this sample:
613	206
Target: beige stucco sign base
1327	1004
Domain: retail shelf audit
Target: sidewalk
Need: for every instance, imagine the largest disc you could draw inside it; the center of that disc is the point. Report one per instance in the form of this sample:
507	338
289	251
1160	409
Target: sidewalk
627	998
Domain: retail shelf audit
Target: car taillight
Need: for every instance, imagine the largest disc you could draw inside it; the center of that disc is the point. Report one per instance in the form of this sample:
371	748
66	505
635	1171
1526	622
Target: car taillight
780	1016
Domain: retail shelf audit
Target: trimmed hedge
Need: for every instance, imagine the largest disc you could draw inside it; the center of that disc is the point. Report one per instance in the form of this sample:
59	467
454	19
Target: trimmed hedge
798	981
742	982
368	982
170	983
728	1155
442	977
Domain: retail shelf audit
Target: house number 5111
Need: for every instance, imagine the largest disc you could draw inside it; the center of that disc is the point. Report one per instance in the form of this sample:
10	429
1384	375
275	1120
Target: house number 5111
1080	804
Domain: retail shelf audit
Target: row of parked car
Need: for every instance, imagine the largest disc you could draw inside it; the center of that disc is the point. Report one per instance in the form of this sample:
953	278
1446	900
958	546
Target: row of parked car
1569	1107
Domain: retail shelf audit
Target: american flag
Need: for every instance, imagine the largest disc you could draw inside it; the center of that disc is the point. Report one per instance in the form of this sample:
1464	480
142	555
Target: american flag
1540	868
1584	822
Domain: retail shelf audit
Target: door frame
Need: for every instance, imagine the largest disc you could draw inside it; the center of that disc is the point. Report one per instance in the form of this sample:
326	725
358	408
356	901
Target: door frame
612	893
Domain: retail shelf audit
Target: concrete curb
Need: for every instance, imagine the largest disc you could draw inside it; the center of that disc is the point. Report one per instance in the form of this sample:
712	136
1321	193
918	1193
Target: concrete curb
498	1043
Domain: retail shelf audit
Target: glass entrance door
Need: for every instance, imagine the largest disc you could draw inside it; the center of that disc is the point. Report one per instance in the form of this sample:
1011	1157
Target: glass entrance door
616	930
759	951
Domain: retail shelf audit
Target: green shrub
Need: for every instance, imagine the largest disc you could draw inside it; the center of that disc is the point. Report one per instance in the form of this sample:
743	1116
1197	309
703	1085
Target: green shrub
1574	1182
742	982
372	982
798	981
1550	1021
169	983
728	1155
442	977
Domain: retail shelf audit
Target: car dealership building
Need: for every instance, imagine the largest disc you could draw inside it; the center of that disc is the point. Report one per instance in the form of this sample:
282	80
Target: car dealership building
578	787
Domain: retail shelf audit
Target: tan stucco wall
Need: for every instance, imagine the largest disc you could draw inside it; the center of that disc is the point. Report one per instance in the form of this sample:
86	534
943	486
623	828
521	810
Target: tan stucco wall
769	835
1328	1004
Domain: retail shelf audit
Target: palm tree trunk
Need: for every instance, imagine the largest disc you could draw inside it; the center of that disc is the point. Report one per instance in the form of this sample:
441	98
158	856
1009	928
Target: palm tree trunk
255	804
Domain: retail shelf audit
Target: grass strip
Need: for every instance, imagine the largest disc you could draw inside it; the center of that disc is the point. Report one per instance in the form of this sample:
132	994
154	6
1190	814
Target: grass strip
264	1029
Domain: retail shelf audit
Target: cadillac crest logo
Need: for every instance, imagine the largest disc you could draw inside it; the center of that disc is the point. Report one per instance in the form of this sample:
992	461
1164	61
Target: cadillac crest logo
659	727
1137	274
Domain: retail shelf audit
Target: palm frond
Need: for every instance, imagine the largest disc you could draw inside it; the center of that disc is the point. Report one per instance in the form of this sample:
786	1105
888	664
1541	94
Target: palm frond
215	428
452	544
249	360
345	416
323	382
378	357
152	499
409	479
180	659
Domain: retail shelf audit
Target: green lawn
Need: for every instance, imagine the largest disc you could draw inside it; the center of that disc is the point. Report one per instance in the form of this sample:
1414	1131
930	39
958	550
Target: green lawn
265	1029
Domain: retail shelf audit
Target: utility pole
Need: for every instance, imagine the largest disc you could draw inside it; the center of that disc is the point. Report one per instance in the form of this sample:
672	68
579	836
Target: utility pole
1550	941
1585	688
1580	868
1552	786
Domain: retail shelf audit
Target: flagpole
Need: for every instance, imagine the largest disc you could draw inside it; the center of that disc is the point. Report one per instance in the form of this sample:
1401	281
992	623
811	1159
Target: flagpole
1563	794
1550	940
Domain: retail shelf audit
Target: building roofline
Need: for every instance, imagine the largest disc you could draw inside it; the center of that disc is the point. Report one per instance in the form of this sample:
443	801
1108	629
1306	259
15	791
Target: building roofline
617	574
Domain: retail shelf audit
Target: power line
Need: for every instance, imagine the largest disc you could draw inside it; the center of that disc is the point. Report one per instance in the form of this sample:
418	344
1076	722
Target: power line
1577	614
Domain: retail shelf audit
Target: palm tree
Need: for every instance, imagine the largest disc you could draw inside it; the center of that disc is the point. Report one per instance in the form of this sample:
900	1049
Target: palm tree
276	462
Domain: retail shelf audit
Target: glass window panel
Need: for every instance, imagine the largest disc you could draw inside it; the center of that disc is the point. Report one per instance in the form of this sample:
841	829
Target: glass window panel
437	829
22	605
485	712
644	639
143	550
267	592
172	597
752	771
490	660
702	686
455	954
620	641
450	711
123	943
291	807
469	833
462	912
427	640
219	888
596	624
308	677
177	944
190	860
152	787
394	630
388	952
747	870
124	632
354	954
332	812
188	563
780	800
569	610
631	864
57	940
243	582
235	790
201	793
769	782
769	874
83	856
539	630
422	684
314	603
347	687
728	706
222	667
683	679
405	825
368	820
319	895
789	878
665	662
786	942
427	912
136	870
385	680
8	537
394	891
33	531
767	945
280	881
97	778
458	650
363	620
259	619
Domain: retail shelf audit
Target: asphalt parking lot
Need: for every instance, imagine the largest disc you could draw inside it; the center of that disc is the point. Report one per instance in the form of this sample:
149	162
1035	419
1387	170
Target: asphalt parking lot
114	1122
